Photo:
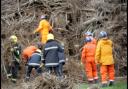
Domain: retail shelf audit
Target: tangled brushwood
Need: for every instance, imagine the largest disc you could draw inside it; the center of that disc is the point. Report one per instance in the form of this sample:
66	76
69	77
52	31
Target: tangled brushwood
70	19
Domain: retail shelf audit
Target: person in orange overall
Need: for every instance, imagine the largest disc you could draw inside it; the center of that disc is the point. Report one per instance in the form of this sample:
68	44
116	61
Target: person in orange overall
88	59
26	55
89	34
27	52
104	57
44	28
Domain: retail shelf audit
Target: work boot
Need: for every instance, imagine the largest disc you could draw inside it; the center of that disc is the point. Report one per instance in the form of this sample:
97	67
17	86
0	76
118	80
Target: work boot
96	81
104	85
27	79
91	82
111	83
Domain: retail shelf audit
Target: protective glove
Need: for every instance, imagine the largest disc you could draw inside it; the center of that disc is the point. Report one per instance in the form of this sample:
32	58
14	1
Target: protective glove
34	32
66	59
12	49
41	65
18	60
81	63
26	64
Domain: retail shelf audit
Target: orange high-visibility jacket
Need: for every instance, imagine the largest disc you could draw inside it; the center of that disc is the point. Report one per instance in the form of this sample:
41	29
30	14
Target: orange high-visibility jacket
27	52
43	28
104	53
88	52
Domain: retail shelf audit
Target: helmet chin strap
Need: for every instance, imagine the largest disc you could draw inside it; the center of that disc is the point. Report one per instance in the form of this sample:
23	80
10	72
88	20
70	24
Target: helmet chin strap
105	38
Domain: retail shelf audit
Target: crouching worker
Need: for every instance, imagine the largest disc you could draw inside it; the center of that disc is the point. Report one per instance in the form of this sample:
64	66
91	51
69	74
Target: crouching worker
26	54
88	59
50	55
15	62
61	61
35	62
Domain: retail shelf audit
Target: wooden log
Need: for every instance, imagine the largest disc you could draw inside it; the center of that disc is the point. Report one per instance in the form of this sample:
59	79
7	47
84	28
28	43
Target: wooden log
93	20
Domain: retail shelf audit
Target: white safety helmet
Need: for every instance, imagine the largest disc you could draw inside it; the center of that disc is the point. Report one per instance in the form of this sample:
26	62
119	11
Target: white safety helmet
88	39
50	37
103	34
43	17
88	33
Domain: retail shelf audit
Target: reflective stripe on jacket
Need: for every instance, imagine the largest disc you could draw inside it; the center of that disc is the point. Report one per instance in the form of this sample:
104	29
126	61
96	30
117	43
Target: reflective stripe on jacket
50	53
35	59
61	56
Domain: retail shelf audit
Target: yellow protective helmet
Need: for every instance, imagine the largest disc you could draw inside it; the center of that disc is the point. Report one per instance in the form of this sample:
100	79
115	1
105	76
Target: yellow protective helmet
13	38
50	37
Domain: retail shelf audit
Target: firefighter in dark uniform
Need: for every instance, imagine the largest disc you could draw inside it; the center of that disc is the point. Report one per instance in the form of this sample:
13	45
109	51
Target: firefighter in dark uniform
15	62
50	55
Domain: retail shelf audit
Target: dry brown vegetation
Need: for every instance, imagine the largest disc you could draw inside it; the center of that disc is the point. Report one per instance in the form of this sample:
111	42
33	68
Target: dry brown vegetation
70	19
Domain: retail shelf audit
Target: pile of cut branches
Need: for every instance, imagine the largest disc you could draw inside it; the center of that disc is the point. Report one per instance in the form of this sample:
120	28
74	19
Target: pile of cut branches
70	19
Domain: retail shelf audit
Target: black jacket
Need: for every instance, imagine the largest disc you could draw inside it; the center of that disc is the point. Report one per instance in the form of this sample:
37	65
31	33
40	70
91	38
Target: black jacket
61	56
50	53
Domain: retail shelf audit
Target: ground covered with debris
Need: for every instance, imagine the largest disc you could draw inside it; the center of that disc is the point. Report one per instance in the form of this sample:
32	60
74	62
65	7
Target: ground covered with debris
70	19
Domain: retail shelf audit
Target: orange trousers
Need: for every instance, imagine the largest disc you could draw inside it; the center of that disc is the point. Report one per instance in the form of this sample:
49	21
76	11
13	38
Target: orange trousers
107	70
91	70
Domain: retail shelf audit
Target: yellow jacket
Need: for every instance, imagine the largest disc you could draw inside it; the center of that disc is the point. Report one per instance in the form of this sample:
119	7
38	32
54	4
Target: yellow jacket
104	54
43	28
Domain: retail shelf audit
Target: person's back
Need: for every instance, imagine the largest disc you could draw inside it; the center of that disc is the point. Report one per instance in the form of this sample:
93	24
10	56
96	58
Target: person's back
104	57
44	28
27	52
50	55
45	25
34	62
88	59
90	51
35	58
